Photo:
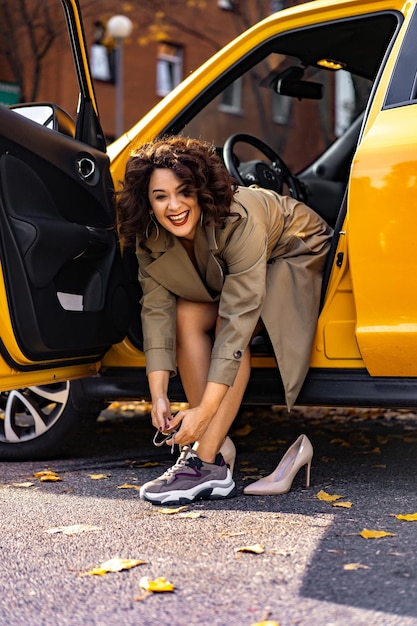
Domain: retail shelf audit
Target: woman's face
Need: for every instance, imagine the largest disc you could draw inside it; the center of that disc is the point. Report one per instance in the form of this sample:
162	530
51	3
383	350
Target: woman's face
174	207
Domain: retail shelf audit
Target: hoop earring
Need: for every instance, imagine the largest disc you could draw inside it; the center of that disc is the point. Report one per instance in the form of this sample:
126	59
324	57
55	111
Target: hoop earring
152	224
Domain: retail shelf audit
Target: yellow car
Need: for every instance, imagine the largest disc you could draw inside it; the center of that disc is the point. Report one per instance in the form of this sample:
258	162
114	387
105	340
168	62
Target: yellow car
318	101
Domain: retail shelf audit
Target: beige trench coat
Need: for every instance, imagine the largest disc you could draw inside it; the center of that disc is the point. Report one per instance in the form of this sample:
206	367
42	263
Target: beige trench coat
265	263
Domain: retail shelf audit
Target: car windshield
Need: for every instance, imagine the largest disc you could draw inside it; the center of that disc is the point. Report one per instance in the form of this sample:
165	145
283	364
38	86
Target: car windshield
250	104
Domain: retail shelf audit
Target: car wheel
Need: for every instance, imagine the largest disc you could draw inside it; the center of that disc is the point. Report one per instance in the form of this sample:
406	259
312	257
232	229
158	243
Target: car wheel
38	422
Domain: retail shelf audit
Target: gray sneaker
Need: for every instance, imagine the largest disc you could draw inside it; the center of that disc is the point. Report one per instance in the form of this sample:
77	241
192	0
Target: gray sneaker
190	479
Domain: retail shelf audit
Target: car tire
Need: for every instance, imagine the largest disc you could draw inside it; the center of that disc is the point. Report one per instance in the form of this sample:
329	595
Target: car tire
39	422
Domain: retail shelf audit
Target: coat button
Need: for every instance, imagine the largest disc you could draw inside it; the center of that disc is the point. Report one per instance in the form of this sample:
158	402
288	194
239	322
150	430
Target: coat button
237	354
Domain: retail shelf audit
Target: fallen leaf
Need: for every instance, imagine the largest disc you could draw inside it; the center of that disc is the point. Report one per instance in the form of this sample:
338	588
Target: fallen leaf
243	432
191	515
342	442
410	517
267	623
128	486
24	485
73	530
47	476
380	465
376	450
98	476
375	534
410	439
226	533
345	505
257	548
158	585
326	497
168	511
113	565
148	464
354	566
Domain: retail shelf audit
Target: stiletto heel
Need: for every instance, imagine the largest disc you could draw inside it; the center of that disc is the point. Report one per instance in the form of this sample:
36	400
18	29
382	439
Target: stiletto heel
281	479
228	451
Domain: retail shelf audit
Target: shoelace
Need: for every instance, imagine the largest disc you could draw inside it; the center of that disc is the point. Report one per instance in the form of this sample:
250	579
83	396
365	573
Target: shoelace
180	462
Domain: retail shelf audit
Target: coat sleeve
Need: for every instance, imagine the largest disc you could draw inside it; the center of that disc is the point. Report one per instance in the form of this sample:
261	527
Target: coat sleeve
158	316
241	299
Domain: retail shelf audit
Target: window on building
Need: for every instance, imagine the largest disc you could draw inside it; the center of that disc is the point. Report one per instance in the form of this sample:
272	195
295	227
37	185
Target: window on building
231	98
168	68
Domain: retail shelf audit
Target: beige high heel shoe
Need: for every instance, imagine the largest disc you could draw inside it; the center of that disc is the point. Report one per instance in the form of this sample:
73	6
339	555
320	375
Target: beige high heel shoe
281	479
228	451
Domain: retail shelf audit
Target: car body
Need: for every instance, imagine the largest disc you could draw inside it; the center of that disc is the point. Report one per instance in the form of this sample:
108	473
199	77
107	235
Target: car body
71	337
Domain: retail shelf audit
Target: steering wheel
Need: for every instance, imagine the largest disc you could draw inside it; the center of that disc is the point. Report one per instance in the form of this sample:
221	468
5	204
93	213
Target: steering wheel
270	176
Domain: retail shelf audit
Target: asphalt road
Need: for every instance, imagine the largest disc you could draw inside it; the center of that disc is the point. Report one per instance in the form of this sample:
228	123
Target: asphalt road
315	568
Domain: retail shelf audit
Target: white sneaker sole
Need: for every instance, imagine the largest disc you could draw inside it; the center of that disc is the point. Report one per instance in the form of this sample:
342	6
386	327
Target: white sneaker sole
211	490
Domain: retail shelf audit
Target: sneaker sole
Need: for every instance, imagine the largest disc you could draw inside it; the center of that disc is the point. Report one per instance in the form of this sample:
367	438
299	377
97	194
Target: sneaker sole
211	492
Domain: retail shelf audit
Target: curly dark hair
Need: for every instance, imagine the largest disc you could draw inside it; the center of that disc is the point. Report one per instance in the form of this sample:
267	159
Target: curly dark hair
195	162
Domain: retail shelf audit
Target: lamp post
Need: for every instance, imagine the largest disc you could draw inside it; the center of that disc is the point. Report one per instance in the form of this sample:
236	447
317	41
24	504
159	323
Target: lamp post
119	27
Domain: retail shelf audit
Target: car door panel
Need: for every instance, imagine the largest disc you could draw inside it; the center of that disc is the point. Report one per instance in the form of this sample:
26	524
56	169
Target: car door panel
65	284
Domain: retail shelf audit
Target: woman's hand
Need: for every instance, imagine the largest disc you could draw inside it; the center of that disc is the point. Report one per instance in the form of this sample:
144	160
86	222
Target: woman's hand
193	423
161	413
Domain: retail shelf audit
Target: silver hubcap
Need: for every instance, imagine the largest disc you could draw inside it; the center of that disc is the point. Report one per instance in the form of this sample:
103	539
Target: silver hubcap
28	413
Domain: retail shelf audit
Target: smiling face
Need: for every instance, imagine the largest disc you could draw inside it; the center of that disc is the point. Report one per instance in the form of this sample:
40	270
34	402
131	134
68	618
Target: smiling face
175	208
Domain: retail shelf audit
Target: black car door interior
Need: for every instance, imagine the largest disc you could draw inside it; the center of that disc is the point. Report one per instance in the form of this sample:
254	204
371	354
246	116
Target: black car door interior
66	286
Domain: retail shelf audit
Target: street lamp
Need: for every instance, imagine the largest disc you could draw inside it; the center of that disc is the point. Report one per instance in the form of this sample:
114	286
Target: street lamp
119	27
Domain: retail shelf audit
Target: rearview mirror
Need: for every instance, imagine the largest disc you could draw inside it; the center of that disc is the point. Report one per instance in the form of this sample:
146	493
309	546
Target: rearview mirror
289	83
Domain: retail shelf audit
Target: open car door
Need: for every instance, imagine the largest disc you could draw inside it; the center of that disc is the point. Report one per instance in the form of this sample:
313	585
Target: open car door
64	297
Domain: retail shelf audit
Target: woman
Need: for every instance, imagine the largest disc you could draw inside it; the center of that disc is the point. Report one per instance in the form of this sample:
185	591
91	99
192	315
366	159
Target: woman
217	263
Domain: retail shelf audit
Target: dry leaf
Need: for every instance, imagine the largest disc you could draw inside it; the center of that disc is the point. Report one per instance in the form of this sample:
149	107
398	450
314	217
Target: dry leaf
168	511
148	464
98	476
158	585
24	485
342	442
267	623
345	505
410	517
376	450
72	530
326	497
191	515
257	548
375	534
226	533
47	476
410	439
113	565
128	486
354	566
243	432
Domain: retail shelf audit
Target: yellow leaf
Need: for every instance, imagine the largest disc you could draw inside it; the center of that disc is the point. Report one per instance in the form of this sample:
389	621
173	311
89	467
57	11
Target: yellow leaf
191	514
342	442
256	549
113	565
47	476
326	497
375	534
24	485
354	566
98	476
148	464
267	623
410	439
168	511
127	486
244	431
158	585
410	517
345	505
